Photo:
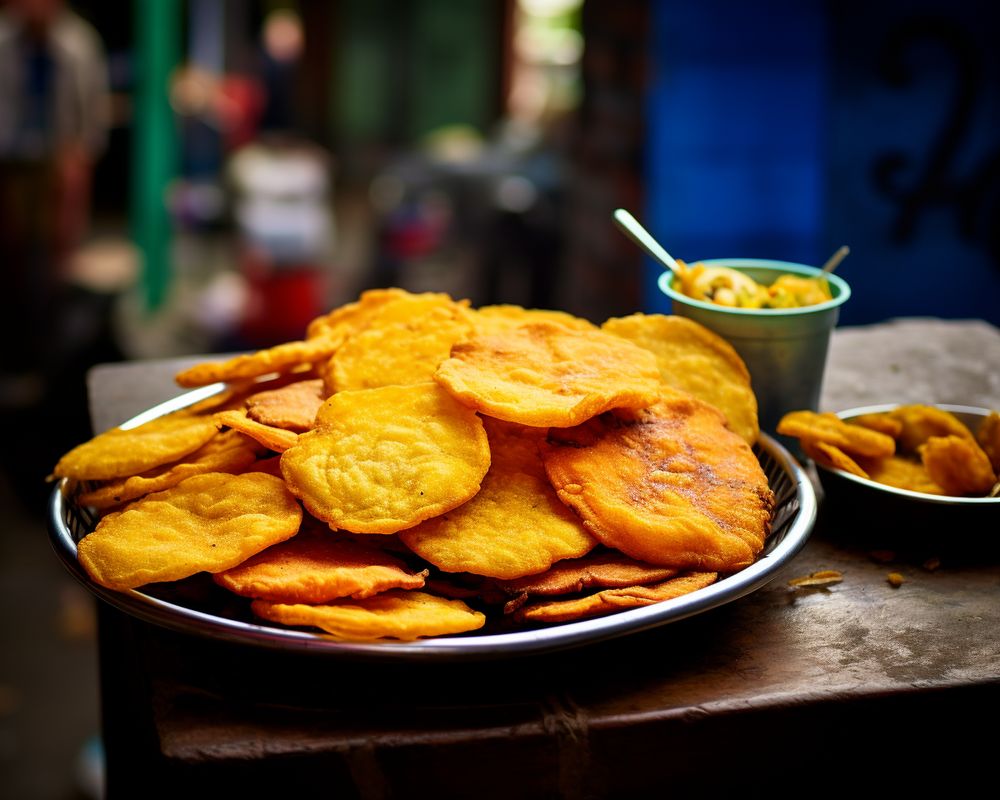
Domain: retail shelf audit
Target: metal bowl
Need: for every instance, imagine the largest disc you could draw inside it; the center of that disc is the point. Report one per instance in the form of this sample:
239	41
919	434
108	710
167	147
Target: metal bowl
906	516
196	606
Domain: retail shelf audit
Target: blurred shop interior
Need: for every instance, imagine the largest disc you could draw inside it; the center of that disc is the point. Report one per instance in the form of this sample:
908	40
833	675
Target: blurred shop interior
254	162
183	177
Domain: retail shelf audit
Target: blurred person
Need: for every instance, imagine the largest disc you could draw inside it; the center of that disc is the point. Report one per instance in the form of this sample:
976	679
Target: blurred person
54	97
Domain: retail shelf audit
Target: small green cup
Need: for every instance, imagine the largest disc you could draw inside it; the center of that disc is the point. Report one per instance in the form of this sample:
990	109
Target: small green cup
784	349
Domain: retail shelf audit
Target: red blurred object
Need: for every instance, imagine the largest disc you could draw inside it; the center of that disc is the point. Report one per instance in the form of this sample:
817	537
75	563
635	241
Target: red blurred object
240	105
285	229
281	303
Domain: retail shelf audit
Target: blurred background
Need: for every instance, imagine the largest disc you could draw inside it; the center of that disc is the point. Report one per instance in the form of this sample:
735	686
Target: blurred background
193	177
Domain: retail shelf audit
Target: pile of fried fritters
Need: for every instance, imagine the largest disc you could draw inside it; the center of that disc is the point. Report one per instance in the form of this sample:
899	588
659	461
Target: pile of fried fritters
418	467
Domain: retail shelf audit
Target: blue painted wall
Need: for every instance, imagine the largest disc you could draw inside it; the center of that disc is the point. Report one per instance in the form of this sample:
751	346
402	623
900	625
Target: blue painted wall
784	129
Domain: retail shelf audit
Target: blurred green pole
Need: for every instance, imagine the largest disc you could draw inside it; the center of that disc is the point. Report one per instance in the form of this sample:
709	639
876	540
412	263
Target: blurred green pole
154	147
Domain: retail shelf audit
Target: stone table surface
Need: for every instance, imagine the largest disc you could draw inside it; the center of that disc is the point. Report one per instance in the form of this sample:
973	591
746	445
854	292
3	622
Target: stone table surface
793	689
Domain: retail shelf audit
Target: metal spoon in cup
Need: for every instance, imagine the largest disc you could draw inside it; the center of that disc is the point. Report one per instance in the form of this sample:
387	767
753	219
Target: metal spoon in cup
635	231
638	234
834	261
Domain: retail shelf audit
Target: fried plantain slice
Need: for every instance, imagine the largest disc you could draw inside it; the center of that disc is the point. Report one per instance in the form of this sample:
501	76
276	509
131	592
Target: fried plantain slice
958	465
988	437
120	452
900	472
207	522
692	358
827	427
514	526
881	421
292	407
277	439
830	456
673	486
312	569
921	421
382	460
228	451
545	374
611	600
390	615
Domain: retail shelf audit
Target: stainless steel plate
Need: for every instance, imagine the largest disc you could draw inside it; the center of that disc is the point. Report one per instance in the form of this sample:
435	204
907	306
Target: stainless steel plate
184	607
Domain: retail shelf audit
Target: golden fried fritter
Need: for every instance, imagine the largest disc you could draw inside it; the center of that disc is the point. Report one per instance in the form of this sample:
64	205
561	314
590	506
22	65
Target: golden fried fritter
281	358
544	373
673	486
352	317
313	569
692	358
988	436
514	526
901	473
611	600
606	570
277	439
120	452
882	421
228	451
398	352
389	615
496	318
382	460
208	523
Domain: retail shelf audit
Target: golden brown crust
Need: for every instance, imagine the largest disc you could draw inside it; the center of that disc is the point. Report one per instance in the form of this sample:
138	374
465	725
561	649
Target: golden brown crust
545	374
830	456
826	427
228	451
611	600
988	436
673	487
120	452
292	407
277	439
921	421
383	460
958	465
313	569
207	522
393	614
693	359
280	358
514	526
